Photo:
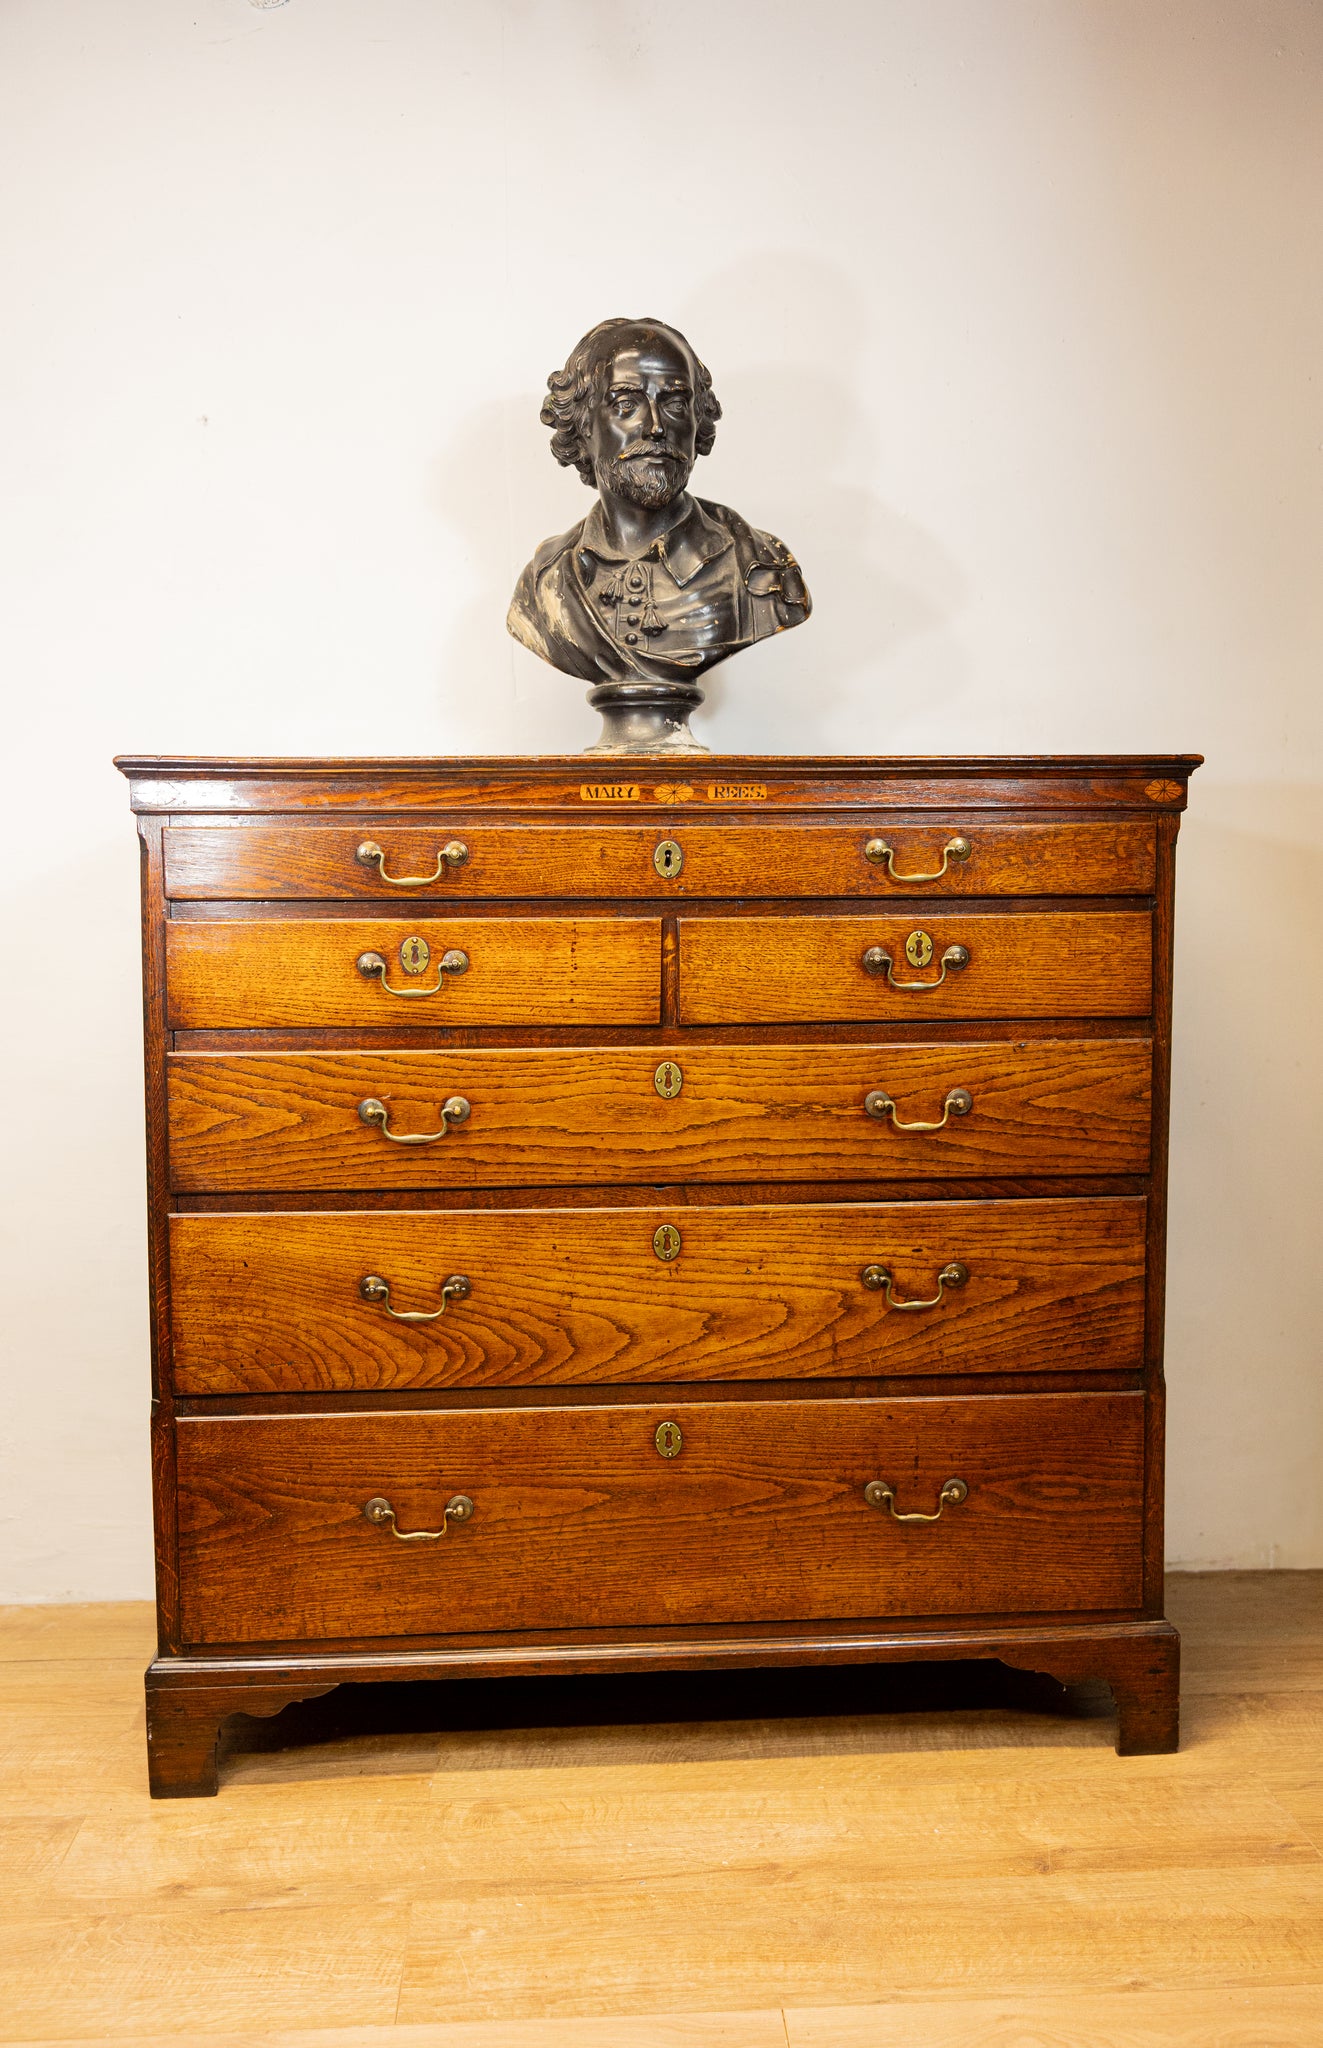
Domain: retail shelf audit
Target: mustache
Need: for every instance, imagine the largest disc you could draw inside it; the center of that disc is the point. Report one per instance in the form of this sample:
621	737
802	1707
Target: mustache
643	452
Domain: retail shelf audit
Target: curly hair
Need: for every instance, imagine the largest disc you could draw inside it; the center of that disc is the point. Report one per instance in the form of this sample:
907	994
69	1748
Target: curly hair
571	392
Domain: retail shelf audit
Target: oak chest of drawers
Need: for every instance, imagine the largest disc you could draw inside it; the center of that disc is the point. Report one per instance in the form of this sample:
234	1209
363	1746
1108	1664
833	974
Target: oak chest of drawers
605	1222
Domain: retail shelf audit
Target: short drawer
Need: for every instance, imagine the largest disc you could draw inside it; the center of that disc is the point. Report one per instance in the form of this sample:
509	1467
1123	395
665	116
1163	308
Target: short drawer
764	970
309	1303
682	857
293	972
631	1516
565	1115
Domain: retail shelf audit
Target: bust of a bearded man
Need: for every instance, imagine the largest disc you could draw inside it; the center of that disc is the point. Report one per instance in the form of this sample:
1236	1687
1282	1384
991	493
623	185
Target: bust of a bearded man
655	585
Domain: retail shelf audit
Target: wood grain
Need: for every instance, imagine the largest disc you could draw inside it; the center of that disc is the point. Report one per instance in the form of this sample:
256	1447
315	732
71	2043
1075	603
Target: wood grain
945	1875
1232	2016
779	970
579	1522
266	1303
301	972
1113	856
548	1115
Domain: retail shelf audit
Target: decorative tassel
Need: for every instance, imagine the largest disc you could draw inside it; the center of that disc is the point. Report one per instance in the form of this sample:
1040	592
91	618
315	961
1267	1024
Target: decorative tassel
611	589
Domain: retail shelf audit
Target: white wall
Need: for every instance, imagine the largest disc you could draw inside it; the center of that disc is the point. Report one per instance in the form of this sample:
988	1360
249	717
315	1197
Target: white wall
1015	311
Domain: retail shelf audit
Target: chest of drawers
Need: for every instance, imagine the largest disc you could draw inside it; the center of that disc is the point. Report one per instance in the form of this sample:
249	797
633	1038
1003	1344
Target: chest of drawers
621	1225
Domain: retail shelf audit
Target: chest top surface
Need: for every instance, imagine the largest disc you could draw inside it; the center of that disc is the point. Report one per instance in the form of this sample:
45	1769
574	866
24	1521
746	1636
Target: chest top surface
712	785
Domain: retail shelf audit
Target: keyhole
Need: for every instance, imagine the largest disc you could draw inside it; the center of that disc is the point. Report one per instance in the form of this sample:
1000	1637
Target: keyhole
668	1080
666	1242
668	860
669	1439
414	955
918	949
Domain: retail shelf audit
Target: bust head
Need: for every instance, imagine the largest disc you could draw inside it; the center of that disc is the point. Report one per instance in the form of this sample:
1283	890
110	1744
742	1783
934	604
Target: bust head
632	410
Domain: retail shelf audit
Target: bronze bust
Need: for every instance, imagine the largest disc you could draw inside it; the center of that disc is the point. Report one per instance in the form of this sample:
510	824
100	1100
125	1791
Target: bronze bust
655	585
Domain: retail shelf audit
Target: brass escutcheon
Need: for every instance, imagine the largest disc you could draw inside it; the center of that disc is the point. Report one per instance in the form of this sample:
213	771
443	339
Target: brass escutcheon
666	1241
415	954
669	1439
668	1080
919	949
668	859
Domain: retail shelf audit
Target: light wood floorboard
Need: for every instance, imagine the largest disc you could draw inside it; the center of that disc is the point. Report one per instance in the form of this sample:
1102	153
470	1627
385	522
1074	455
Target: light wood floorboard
994	1878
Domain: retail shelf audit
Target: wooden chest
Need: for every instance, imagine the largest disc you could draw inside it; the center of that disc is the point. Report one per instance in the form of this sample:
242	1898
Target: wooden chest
603	1222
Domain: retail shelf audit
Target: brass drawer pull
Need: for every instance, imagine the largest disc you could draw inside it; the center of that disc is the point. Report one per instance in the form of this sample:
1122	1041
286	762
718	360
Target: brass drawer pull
879	1495
952	1275
880	853
453	962
376	1290
452	855
958	1102
455	1110
877	960
458	1509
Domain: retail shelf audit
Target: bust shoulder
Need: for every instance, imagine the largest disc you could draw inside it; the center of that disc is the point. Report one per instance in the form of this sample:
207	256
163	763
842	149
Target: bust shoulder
551	550
757	550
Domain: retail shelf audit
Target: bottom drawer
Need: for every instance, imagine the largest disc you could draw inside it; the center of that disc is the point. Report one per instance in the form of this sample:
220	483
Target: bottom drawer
580	1521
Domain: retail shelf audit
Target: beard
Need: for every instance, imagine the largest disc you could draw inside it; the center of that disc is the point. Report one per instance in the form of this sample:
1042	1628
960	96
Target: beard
650	481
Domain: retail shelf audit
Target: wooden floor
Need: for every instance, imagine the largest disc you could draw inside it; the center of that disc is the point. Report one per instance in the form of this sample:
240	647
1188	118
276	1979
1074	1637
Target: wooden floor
775	1863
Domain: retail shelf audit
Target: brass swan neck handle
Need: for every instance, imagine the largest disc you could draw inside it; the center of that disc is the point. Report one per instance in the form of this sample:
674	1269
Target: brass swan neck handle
879	1103
953	1274
452	855
455	1110
879	1495
453	962
877	961
376	1290
381	1514
881	854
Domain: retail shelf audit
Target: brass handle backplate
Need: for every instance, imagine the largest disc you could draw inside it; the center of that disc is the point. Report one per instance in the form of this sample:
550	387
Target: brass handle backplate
382	1516
455	1110
881	854
958	1102
878	961
453	962
879	1495
452	855
376	1290
953	1274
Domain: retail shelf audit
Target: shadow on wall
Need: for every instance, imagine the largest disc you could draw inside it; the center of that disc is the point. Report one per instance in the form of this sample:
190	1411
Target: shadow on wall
795	454
1243	1347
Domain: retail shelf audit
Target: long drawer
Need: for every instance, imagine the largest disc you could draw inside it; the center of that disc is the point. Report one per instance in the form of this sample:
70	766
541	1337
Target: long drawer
787	970
460	857
557	1116
308	1303
289	972
632	1516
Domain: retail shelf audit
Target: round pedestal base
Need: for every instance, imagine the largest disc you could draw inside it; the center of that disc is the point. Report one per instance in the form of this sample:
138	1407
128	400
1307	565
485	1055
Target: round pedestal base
646	718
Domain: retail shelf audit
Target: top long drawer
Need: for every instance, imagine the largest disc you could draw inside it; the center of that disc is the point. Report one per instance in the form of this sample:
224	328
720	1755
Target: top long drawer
876	858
